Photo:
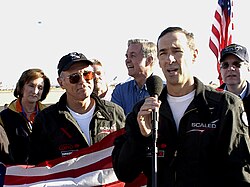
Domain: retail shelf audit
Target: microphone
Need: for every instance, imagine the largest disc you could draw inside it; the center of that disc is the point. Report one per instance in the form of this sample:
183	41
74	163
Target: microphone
154	86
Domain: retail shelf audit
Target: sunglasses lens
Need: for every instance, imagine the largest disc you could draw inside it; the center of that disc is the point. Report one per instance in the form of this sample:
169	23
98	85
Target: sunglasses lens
235	65
88	75
224	65
74	78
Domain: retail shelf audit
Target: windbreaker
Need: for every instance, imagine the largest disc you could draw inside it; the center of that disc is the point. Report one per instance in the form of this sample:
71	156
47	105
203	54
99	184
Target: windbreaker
245	99
4	146
18	132
56	133
210	149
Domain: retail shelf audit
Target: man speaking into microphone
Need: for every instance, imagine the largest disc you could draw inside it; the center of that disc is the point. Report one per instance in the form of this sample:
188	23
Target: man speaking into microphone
215	154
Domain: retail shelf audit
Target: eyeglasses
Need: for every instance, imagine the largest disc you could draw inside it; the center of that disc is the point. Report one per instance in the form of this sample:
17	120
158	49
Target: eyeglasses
75	77
225	65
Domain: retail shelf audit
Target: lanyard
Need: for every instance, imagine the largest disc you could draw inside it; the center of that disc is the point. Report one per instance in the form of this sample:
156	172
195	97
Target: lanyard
29	121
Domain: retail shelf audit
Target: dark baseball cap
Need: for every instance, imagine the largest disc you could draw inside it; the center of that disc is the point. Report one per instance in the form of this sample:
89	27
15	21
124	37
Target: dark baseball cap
70	59
237	50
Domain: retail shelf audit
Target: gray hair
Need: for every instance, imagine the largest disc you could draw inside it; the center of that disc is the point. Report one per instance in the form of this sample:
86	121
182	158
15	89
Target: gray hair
148	48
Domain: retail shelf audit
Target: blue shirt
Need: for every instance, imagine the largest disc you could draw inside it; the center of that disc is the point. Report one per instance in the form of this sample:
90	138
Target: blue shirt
243	93
127	94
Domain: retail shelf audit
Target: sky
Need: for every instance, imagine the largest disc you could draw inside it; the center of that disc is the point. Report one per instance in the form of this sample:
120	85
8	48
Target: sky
37	33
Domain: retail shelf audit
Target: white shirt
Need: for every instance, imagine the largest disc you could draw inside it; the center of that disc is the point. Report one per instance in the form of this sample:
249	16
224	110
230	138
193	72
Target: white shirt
179	105
84	120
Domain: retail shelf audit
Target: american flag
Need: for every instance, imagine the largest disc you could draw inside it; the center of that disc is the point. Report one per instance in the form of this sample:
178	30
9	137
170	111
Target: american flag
90	166
222	29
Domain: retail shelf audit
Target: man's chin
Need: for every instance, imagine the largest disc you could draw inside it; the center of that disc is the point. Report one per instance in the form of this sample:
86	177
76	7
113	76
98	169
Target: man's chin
130	74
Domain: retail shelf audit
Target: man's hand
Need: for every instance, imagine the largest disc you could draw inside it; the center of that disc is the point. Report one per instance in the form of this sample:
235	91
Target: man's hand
144	117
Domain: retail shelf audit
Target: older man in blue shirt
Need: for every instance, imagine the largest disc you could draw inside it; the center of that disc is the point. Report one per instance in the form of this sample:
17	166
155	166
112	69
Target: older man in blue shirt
141	57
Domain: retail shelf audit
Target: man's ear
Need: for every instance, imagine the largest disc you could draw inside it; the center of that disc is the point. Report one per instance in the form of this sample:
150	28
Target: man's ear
195	54
59	80
149	60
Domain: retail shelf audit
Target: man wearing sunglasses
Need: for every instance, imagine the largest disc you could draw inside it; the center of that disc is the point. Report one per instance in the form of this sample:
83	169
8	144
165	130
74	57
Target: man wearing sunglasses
234	68
79	119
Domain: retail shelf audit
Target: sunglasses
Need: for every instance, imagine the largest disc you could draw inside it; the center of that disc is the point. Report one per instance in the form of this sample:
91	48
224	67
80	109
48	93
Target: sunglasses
75	77
225	65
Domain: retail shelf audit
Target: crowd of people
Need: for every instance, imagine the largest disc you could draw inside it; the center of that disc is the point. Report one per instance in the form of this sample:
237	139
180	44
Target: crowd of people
202	135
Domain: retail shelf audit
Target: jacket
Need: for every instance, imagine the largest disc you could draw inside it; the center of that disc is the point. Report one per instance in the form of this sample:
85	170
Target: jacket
4	146
211	148
56	133
18	133
245	99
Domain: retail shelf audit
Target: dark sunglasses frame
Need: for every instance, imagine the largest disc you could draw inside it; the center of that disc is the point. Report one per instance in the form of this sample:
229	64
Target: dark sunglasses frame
75	77
225	65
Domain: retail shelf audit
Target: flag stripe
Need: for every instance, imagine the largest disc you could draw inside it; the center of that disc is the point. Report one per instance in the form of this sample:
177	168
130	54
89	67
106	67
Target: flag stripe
88	159
51	174
91	166
89	179
221	29
96	178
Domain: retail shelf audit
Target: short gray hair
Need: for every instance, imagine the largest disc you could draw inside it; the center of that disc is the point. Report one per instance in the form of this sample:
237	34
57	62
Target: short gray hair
148	48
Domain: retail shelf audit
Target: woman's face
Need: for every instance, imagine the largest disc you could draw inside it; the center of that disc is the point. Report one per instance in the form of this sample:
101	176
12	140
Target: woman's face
32	91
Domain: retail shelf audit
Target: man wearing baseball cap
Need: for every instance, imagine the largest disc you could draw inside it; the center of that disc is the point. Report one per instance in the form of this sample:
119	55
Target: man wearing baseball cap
234	68
79	119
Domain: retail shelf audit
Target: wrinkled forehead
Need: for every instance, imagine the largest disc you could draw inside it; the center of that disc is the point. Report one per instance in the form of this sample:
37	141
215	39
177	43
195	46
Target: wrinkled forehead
134	48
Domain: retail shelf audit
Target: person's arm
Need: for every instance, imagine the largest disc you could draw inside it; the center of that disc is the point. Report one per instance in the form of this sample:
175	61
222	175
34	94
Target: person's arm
4	144
116	96
130	151
234	144
120	117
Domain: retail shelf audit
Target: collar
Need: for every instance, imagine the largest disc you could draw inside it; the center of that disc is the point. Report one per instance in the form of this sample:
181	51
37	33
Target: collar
144	87
100	108
19	109
243	92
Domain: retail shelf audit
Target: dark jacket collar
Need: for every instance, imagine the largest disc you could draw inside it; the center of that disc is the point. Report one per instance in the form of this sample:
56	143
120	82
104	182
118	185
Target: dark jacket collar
199	102
100	110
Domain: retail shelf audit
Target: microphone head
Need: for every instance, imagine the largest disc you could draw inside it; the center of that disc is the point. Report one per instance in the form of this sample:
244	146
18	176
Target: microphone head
154	85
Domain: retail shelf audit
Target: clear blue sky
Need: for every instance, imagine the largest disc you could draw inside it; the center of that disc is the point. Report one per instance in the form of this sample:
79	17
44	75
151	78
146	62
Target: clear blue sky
37	33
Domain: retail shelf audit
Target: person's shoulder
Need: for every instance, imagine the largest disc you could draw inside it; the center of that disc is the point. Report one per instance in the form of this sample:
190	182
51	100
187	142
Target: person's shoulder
218	94
121	89
7	114
42	106
231	95
49	109
11	109
109	104
126	83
